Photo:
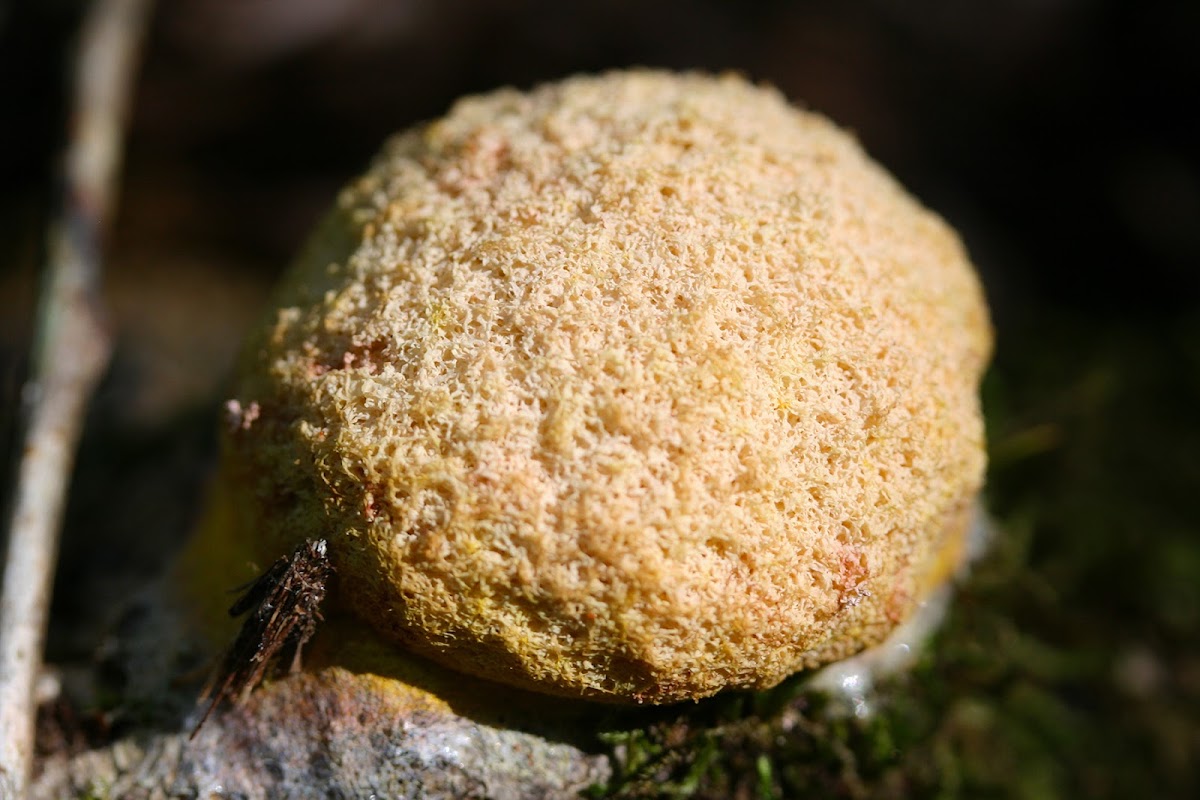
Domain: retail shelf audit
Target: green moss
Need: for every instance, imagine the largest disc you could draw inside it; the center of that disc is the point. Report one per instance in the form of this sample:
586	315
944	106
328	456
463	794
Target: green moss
1068	666
96	791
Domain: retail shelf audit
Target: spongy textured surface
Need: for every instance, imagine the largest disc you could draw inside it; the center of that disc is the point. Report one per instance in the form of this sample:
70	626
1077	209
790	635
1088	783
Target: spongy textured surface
634	387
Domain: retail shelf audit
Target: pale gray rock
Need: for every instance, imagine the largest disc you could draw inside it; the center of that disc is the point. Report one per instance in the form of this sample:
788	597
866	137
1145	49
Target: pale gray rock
329	733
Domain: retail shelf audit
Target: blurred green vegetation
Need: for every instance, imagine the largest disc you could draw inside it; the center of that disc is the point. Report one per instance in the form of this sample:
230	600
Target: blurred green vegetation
1068	665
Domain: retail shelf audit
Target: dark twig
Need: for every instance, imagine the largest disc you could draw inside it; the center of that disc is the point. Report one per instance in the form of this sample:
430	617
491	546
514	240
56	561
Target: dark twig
284	609
71	351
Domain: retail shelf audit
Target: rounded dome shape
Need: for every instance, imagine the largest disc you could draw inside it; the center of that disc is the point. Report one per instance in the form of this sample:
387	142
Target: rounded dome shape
631	387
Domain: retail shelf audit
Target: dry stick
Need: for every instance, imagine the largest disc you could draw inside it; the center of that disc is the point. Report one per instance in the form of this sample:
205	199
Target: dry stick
70	353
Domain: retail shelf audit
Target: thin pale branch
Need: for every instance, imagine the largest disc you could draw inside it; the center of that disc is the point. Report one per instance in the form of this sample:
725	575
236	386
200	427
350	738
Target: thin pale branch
70	353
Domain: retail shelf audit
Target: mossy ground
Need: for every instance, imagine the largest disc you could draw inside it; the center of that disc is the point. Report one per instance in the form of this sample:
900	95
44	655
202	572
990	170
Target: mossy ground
1068	665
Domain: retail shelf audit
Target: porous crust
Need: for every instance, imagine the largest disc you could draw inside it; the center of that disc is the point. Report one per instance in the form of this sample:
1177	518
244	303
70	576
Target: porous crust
633	387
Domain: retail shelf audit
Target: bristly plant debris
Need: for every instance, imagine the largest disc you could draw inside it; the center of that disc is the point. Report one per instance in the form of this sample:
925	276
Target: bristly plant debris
284	605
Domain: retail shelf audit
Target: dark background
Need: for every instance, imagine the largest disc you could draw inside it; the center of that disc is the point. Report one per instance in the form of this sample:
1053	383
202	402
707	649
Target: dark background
1059	136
